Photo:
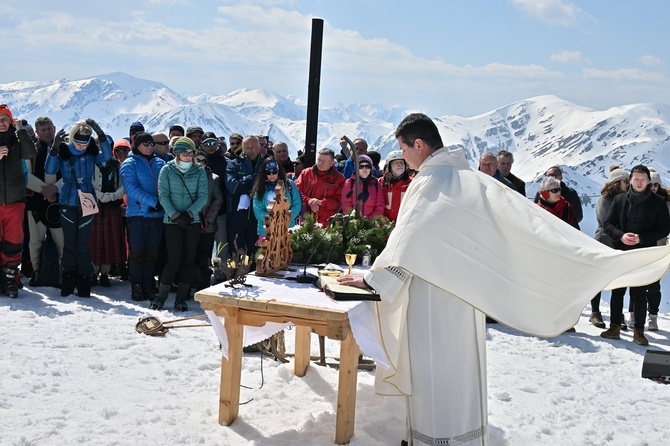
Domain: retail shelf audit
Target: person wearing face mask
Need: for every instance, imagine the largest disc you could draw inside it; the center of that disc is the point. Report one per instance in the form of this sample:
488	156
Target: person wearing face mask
369	194
76	162
394	183
182	191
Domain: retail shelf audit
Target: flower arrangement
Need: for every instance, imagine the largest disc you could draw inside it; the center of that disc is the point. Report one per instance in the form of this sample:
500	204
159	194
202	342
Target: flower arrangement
357	232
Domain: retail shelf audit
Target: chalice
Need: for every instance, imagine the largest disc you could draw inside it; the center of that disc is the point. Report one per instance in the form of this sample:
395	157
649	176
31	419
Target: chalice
350	259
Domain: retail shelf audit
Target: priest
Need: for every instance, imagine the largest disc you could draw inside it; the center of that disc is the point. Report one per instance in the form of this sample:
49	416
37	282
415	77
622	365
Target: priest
466	246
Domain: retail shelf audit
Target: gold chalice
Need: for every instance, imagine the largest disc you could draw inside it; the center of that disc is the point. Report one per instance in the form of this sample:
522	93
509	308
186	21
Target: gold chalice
350	259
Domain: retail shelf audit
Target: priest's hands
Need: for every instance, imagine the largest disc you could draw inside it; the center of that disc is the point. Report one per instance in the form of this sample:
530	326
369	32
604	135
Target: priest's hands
353	280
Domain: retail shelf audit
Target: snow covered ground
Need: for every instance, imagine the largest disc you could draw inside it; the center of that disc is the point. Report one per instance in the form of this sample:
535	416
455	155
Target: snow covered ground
74	371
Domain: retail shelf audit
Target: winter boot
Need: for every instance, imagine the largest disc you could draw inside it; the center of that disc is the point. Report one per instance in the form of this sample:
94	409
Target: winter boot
159	301
137	293
83	285
653	322
149	293
181	296
8	281
597	319
69	282
638	337
612	333
33	279
104	281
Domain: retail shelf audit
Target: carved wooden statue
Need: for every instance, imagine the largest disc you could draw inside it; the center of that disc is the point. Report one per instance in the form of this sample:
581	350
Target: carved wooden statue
276	250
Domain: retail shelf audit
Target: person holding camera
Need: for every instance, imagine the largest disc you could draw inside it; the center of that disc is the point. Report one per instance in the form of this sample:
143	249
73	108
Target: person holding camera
15	145
182	191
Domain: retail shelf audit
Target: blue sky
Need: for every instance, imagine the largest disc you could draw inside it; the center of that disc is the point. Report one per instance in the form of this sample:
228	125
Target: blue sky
462	57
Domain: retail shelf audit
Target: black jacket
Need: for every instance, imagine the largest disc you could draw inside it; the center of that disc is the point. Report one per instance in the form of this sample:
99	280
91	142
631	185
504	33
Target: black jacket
12	179
644	214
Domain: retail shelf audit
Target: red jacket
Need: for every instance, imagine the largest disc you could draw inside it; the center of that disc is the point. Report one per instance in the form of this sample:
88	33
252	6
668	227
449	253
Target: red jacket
373	206
325	186
393	194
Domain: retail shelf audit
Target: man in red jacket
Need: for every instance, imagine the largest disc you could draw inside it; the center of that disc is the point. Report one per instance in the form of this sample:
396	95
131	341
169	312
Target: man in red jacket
321	187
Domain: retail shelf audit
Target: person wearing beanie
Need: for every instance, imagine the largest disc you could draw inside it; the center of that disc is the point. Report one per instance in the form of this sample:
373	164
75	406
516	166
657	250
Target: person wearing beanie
182	191
15	146
654	290
144	213
121	149
135	128
195	133
176	130
617	183
263	193
637	219
218	163
76	163
362	192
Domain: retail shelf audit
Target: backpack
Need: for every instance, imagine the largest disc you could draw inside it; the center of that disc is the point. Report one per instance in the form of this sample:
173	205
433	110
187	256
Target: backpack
49	272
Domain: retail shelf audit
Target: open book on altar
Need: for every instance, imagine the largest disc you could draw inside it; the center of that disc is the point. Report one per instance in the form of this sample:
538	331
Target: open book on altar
336	291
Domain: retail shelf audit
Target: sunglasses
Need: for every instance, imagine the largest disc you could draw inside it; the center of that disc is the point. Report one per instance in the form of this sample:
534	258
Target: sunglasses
161	143
271	172
364	166
555	190
188	154
209	143
148	144
656	185
201	160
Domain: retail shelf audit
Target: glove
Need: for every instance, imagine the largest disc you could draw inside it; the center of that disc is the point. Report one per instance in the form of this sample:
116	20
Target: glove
96	128
105	197
157	208
183	219
58	140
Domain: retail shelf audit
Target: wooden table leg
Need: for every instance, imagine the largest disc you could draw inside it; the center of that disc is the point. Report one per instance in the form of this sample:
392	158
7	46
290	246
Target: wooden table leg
231	373
303	337
346	390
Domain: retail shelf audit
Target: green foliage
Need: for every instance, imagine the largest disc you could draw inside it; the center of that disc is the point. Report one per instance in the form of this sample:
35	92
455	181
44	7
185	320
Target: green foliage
358	232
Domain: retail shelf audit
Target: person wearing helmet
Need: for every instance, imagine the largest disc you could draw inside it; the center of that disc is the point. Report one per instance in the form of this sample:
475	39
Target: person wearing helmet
394	183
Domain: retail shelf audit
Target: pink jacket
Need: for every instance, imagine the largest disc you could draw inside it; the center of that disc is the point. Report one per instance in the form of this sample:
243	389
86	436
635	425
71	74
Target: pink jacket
373	206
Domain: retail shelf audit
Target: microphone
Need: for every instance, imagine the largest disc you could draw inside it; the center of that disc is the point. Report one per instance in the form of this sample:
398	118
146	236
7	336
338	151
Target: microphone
306	277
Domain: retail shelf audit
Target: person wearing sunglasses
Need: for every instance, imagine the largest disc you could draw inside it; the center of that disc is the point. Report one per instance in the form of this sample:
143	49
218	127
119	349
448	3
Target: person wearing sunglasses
15	146
144	214
182	191
76	163
552	200
162	146
370	199
264	192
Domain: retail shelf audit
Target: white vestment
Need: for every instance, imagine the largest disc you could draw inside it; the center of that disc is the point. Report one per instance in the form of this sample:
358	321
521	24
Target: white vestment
464	244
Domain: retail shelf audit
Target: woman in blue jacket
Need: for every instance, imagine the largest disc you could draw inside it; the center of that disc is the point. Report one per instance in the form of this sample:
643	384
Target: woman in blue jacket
264	192
182	191
76	162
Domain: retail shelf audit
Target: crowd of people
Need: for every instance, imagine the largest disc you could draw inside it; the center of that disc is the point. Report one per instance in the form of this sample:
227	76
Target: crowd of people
153	207
163	202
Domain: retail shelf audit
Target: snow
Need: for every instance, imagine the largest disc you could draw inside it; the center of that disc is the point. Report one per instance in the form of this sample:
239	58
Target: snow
75	371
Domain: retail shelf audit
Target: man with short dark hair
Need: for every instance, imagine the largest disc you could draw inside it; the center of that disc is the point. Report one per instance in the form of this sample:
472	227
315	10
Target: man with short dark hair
175	130
235	147
455	227
505	161
638	218
195	134
321	187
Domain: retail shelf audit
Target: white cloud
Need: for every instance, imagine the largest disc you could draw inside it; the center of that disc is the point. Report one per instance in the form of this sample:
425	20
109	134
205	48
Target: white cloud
554	12
623	74
650	60
568	57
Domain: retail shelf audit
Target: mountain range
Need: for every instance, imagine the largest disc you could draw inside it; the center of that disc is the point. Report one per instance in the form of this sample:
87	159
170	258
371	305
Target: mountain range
541	132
